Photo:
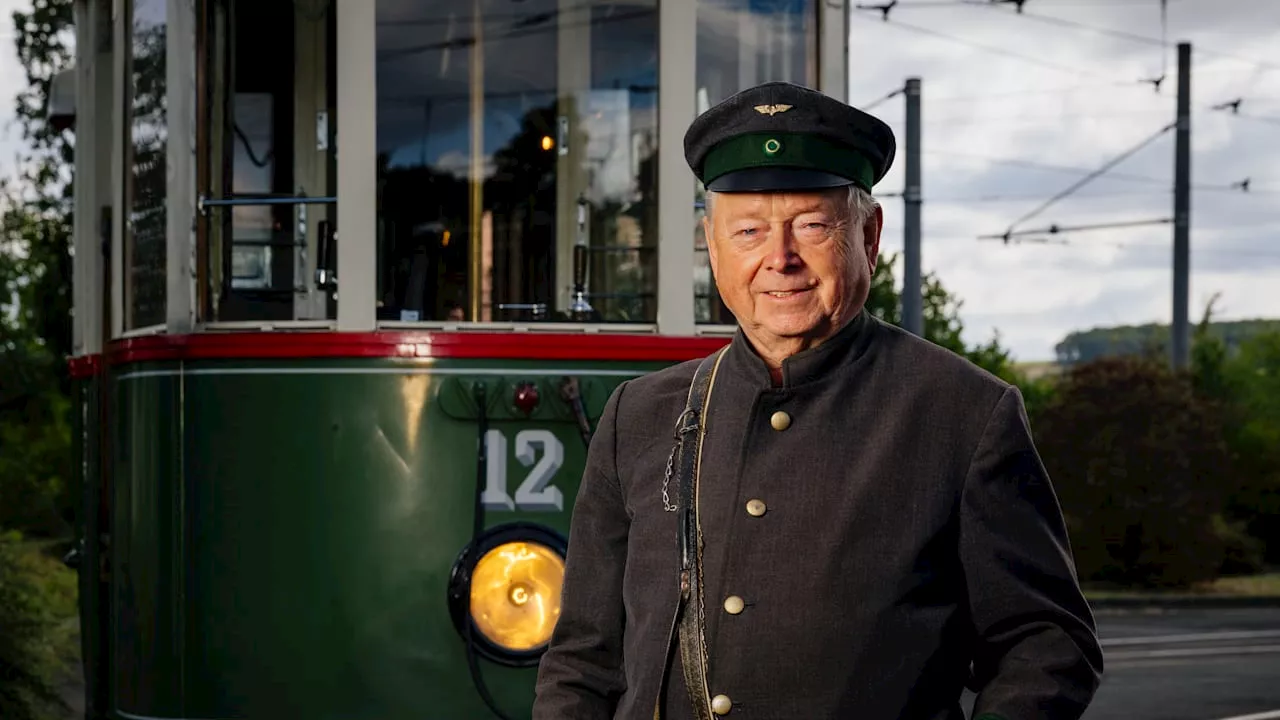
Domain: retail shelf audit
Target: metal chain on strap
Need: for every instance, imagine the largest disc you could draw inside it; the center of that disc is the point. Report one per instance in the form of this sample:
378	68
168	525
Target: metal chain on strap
687	423
666	481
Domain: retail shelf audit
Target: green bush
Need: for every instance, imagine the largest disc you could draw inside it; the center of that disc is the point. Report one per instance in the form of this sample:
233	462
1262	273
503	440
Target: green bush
36	596
1247	383
1142	470
1243	554
1253	379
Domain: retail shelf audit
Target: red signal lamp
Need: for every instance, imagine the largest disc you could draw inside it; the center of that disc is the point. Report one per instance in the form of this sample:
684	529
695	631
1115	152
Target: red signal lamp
526	398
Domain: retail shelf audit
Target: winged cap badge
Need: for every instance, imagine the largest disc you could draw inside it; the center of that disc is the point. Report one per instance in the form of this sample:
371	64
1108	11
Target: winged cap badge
772	109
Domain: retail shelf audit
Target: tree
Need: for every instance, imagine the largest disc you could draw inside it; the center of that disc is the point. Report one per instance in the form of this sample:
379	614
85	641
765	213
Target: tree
35	338
1142	468
942	324
38	219
35	289
1246	383
1253	381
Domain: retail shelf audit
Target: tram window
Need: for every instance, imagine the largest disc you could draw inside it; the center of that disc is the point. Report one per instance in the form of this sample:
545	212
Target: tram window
508	133
145	180
253	227
269	113
742	43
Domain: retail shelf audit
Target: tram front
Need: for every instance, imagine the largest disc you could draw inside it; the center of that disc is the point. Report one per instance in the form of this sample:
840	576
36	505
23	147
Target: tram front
354	281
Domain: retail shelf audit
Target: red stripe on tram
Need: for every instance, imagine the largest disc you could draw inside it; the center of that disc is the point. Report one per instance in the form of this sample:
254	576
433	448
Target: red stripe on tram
411	345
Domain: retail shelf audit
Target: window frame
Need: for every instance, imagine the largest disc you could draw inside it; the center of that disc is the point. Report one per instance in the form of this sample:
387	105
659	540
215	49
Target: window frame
356	105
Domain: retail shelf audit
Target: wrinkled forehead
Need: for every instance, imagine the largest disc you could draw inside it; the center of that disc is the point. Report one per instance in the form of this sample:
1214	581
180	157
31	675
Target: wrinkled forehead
777	205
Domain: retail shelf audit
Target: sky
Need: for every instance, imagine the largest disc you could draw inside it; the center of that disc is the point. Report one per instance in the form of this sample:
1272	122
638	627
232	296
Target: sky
1018	108
12	82
1004	94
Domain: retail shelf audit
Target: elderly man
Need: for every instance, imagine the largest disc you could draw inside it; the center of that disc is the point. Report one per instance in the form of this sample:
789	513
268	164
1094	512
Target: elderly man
830	518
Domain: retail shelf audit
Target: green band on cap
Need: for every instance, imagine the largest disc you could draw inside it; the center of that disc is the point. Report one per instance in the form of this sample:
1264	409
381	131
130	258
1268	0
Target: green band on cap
788	150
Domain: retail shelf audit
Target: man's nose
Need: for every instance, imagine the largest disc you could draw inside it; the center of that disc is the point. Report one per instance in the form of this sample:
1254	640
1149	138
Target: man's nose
781	250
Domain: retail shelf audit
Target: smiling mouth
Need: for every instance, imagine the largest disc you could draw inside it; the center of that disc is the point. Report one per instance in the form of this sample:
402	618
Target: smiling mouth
786	293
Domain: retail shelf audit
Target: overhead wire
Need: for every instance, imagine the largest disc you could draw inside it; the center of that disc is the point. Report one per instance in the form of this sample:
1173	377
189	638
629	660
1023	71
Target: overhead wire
1216	251
988	48
1241	187
985	97
1093	175
892	94
1233	190
1134	37
1021	12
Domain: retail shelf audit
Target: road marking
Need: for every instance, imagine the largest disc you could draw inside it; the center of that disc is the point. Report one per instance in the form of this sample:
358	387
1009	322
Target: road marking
1269	715
1192	637
1192	652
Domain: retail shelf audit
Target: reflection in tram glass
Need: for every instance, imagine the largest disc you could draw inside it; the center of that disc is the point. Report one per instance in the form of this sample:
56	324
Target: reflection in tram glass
270	179
144	246
511	138
742	43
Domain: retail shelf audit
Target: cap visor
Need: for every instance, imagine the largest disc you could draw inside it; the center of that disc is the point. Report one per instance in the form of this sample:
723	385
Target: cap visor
768	179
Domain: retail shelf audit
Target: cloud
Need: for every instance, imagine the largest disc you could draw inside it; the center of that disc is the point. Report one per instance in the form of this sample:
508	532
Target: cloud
1016	109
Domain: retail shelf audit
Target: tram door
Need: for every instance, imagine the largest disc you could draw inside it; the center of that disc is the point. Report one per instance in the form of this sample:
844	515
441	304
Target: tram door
270	214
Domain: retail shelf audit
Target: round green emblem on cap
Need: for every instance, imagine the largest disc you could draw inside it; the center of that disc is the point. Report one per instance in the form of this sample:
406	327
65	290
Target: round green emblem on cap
772	146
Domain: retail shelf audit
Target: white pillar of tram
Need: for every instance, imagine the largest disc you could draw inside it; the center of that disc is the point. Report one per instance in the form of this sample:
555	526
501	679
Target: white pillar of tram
833	48
93	186
311	149
180	148
573	80
357	127
120	39
677	55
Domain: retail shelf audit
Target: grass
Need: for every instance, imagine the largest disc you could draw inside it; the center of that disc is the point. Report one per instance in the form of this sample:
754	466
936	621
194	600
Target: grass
1262	585
1267	584
60	589
39	629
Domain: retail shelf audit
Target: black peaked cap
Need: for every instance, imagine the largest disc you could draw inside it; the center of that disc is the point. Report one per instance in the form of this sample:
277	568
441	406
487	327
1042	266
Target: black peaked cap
782	136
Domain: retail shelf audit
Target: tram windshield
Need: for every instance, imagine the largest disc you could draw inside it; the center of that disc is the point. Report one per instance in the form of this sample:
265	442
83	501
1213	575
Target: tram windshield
516	150
515	139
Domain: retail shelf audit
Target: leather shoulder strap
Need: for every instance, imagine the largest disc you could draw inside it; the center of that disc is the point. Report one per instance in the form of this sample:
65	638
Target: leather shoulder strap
687	457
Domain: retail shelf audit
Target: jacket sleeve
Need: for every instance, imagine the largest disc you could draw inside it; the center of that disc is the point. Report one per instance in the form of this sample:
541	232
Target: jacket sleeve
1036	652
581	674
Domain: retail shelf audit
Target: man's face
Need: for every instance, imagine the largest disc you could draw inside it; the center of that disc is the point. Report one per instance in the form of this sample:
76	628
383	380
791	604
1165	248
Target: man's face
792	267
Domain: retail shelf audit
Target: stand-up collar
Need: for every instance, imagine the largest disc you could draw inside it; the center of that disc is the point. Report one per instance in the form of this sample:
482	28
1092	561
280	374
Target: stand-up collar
809	365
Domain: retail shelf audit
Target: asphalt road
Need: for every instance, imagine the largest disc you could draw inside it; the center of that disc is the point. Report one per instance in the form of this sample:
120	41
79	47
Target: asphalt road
1188	664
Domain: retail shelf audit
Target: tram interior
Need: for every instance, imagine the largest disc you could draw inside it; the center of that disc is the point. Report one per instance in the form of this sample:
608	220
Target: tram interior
510	134
269	112
512	137
516	146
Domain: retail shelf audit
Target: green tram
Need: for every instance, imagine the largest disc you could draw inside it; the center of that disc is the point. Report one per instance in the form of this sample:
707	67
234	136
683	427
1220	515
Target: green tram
353	281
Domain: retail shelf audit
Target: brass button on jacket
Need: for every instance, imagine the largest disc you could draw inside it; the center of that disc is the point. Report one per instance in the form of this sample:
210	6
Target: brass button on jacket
721	704
780	421
755	508
734	604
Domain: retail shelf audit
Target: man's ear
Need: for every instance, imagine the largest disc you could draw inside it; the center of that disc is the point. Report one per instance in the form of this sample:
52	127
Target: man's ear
871	228
711	246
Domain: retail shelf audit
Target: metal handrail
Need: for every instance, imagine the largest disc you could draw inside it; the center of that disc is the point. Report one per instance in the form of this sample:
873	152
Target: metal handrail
203	203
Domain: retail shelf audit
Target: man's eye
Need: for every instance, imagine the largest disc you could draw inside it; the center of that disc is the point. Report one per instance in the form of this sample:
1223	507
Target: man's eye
747	231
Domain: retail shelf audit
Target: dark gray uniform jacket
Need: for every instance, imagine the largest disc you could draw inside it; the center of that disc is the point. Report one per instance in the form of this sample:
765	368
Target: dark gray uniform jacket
908	529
